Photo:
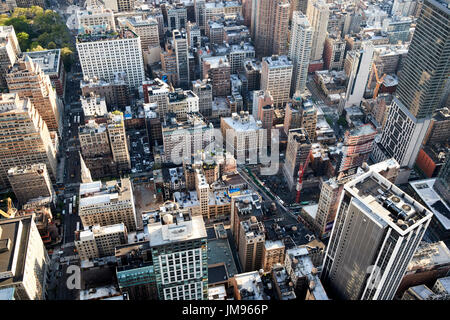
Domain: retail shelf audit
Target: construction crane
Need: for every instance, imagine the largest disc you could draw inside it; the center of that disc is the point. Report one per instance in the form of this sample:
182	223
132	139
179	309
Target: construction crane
11	211
301	171
379	81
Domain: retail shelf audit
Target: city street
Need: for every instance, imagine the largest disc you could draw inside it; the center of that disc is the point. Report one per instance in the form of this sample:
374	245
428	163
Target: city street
65	255
283	212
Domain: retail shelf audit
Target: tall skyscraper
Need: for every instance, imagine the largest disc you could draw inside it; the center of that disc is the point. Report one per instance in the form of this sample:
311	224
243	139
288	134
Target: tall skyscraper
27	79
24	137
276	78
181	51
96	149
103	55
426	68
266	115
359	74
179	252
330	194
243	135
251	244
199	7
377	230
271	27
318	14
218	69
9	51
118	140
30	182
300	51
298	5
24	259
421	86
297	153
247	12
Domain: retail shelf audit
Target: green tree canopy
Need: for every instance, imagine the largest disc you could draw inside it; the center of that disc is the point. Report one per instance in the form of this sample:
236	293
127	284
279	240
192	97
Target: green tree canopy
24	39
37	29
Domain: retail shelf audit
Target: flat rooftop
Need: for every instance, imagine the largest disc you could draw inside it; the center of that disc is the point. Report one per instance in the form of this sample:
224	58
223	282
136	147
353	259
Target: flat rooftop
98	193
48	60
138	21
434	202
292	235
194	121
248	204
11	102
445	282
250	286
218	198
217	293
6	293
387	203
217	274
89	233
99	293
271	245
278	61
14	237
186	228
92	127
283	280
242	124
25	169
305	268
216	61
186	200
422	291
106	36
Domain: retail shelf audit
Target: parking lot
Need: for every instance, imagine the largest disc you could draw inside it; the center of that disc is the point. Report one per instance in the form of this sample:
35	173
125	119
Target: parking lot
140	153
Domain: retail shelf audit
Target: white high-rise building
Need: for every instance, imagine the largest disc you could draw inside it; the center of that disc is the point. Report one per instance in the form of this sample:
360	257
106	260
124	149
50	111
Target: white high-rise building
300	51
276	78
376	232
178	243
103	55
360	70
243	135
